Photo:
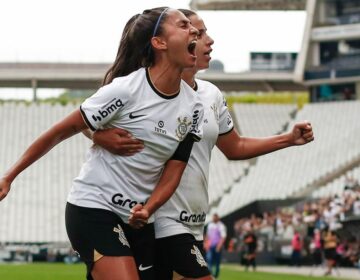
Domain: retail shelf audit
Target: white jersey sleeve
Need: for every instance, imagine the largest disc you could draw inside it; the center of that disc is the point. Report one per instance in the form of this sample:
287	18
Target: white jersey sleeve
222	229
226	123
100	108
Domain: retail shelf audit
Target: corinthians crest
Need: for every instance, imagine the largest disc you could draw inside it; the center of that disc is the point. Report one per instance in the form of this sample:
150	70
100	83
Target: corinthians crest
215	109
199	257
182	127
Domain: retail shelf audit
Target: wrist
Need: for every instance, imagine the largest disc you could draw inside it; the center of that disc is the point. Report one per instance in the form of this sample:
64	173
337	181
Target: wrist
288	139
150	208
8	178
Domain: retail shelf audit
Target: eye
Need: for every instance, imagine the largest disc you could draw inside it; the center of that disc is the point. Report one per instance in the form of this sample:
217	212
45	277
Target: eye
201	34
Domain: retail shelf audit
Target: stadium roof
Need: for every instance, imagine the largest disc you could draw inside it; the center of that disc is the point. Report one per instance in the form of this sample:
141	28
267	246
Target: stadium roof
89	76
248	4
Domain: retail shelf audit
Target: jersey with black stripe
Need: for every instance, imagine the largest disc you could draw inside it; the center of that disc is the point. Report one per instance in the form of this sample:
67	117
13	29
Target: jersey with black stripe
185	211
117	183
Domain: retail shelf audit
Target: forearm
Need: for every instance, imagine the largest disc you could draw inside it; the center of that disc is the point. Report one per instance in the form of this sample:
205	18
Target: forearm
236	147
253	147
221	243
88	133
40	147
167	185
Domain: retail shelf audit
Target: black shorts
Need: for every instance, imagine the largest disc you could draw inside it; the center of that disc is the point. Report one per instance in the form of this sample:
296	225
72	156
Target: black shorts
330	254
180	254
97	232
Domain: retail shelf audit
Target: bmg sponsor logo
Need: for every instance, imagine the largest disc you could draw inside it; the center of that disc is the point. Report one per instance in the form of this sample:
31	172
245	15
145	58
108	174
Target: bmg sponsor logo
110	108
192	218
118	199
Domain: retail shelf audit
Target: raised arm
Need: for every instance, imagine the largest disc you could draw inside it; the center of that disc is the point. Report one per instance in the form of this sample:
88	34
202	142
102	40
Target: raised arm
60	131
236	147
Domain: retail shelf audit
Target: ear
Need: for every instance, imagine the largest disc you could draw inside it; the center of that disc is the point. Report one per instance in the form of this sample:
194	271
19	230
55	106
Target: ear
158	43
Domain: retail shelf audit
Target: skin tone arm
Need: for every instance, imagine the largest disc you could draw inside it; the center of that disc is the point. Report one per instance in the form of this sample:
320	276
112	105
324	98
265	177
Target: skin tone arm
236	147
165	188
60	131
116	140
220	245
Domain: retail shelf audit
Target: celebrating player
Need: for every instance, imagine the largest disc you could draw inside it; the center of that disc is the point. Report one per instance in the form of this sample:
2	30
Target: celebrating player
143	93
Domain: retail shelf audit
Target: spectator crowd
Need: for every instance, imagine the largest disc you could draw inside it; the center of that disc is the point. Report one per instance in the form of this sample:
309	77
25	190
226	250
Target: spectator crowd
313	231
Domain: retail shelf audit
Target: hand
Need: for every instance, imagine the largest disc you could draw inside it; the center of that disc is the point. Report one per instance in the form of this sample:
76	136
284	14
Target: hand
118	141
139	216
302	133
4	188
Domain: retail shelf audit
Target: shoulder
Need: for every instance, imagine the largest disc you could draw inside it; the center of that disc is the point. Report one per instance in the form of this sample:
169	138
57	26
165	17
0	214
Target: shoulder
136	76
126	85
209	89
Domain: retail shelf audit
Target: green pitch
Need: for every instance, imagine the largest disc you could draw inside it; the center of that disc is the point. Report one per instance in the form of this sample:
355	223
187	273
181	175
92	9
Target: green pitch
44	271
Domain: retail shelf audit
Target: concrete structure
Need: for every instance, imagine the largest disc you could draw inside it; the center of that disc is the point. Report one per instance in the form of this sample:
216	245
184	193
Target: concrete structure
329	60
89	76
247	4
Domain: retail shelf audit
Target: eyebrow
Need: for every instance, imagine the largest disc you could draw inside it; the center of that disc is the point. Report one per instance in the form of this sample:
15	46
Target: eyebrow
182	21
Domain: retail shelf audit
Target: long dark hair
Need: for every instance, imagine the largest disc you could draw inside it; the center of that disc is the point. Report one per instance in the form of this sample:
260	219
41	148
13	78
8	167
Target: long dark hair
135	50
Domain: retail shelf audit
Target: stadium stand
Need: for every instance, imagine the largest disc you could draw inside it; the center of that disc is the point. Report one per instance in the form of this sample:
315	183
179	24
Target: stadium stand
34	210
258	120
286	173
336	187
223	174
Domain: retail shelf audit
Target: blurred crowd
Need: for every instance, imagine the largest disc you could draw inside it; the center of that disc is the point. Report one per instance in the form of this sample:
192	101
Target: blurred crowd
312	229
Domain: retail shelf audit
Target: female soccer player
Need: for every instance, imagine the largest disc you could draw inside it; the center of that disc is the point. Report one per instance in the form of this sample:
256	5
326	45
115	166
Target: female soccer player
144	94
179	239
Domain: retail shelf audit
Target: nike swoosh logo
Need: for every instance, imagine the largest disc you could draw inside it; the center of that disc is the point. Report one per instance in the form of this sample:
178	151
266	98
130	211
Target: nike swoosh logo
142	268
131	116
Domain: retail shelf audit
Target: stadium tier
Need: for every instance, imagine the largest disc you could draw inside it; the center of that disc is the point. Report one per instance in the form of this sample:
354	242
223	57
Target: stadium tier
288	172
337	186
253	119
34	209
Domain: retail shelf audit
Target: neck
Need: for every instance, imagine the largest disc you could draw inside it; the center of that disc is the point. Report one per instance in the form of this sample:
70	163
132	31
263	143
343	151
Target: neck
188	75
166	79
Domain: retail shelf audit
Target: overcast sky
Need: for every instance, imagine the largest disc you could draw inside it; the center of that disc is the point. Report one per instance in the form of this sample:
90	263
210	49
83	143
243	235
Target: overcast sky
90	30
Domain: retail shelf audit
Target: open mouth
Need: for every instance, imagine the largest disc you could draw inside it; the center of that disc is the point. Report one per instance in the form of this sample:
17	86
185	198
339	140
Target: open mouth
191	47
208	53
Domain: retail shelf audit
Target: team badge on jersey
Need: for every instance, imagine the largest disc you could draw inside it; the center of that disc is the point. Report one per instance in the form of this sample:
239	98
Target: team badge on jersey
122	237
199	257
182	127
215	109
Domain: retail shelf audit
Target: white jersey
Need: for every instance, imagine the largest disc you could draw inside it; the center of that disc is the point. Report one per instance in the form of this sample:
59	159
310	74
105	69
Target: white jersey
185	211
117	183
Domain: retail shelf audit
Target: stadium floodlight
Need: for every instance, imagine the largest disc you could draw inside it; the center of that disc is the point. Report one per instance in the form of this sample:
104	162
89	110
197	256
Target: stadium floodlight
248	4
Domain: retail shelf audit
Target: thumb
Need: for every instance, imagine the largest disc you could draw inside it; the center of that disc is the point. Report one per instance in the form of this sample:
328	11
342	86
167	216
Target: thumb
136	208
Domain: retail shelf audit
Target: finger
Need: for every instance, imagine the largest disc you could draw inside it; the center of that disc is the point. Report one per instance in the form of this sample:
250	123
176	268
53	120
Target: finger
132	143
308	135
131	153
136	208
139	216
121	132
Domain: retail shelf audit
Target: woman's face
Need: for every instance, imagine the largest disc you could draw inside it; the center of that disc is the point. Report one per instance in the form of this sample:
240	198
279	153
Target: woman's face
204	43
179	39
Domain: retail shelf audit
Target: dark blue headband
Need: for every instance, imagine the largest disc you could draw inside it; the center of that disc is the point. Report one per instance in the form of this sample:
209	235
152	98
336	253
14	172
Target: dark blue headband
158	21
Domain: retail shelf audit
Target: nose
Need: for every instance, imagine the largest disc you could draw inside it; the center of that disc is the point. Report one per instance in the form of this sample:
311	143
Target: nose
210	41
194	31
